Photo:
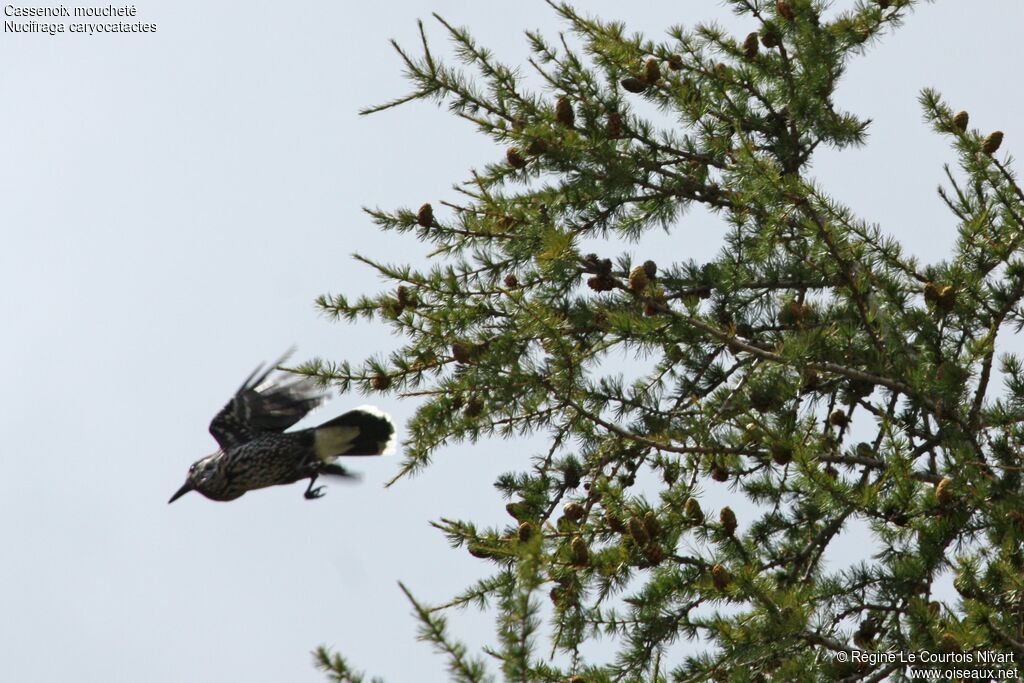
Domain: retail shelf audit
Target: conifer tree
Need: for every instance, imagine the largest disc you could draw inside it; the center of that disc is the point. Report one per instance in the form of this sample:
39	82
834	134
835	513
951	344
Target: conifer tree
821	373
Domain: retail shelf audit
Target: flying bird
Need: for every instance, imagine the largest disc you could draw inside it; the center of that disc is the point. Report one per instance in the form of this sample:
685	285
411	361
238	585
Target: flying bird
256	451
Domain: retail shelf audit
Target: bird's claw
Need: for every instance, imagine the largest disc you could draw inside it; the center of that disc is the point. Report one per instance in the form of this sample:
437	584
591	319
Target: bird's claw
313	494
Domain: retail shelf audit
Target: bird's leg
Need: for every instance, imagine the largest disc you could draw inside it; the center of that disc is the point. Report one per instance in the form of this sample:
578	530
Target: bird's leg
313	493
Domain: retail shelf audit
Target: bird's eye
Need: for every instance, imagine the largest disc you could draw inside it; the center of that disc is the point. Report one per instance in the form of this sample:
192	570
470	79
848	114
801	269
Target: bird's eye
192	468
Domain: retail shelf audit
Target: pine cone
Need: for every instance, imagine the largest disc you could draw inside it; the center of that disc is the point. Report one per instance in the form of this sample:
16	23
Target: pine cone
461	352
564	113
651	525
381	382
511	281
750	46
525	532
614	523
425	216
638	279
784	10
474	407
792	314
580	553
633	85
602	283
652	71
575	512
946	298
481	551
992	142
514	158
865	634
692	510
654	553
591	263
571	475
614	126
960	121
782	454
638	531
838	418
721	577
675	62
944	491
728	520
811	380
518	510
949	643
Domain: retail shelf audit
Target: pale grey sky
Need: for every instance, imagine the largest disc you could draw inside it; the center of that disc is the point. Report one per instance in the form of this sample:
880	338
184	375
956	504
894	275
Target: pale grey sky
170	206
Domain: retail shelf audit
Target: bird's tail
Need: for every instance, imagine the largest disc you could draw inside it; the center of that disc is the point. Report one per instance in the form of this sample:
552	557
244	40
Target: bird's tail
363	431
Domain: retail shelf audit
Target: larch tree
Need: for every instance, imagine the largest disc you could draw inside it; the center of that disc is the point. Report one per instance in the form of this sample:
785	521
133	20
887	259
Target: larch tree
822	374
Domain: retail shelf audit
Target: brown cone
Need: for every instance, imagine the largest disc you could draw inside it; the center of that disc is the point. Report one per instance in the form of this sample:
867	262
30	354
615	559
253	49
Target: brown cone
750	46
728	519
564	113
633	85
693	511
575	512
652	71
614	124
838	419
425	216
461	352
638	279
638	531
651	525
580	553
992	142
721	577
514	158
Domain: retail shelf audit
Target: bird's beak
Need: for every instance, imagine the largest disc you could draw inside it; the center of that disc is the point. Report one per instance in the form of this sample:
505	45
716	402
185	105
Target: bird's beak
181	492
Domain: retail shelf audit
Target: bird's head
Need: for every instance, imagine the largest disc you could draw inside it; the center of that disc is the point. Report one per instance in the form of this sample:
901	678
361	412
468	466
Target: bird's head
202	476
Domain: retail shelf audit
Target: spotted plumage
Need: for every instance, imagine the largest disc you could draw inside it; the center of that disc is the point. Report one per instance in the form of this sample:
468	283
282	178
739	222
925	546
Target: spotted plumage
256	451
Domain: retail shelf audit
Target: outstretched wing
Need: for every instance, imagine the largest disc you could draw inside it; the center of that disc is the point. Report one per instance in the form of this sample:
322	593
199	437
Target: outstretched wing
260	405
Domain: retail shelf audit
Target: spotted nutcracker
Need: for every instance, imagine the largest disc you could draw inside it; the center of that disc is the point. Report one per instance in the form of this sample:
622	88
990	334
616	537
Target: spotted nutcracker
255	451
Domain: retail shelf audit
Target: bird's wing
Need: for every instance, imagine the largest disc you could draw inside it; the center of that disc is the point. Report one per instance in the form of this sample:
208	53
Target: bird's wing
260	405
